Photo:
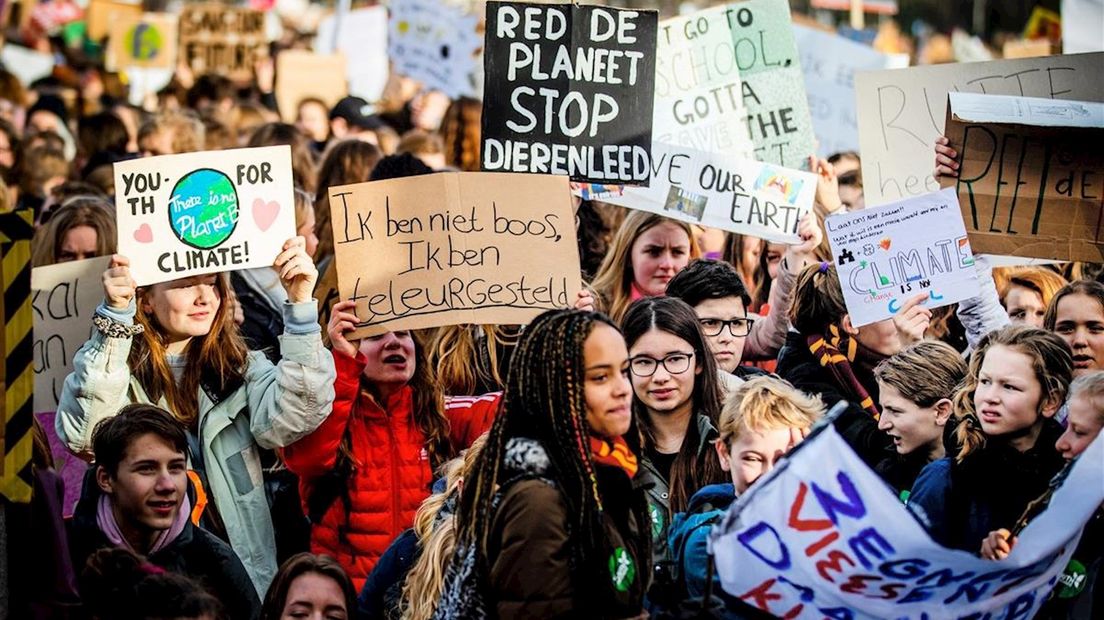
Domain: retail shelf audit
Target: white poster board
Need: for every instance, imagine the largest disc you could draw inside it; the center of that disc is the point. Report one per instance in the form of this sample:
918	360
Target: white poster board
360	35
725	192
199	213
437	43
887	255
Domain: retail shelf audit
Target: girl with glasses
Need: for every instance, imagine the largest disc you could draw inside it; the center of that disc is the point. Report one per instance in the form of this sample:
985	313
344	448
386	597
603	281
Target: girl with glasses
676	405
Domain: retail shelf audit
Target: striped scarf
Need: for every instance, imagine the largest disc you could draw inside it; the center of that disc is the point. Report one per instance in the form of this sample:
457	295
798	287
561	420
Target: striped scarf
830	353
615	453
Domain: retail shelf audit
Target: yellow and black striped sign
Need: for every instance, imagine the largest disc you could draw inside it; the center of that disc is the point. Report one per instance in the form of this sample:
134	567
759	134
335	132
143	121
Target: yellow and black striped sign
16	231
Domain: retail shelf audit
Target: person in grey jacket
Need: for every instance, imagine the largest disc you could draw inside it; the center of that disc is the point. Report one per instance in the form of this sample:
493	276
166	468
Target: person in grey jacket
175	345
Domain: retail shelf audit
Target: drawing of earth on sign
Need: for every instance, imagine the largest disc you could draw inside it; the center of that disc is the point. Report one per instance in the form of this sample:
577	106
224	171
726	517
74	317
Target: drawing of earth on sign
144	41
203	208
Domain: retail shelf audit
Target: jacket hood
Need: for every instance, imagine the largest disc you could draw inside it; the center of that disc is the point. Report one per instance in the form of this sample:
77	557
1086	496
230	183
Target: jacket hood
712	497
526	456
706	508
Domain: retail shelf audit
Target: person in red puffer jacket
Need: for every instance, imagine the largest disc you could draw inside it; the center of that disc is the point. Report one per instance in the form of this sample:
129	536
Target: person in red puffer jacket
366	469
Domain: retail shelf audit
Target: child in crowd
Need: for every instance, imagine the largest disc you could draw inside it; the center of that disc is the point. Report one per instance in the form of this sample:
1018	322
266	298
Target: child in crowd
1005	437
1076	314
79	228
1028	292
309	586
175	344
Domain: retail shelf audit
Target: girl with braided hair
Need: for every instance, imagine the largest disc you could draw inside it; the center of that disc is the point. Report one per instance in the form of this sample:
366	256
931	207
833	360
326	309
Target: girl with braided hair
550	523
1006	435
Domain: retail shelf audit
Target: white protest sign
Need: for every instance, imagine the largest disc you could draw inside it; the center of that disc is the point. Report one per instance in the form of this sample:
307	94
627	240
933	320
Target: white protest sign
719	191
902	111
360	35
829	63
438	44
887	255
64	298
1082	26
821	536
26	64
198	213
698	95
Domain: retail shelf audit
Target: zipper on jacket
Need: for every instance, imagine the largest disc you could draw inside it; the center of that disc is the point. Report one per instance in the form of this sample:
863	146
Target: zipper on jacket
395	464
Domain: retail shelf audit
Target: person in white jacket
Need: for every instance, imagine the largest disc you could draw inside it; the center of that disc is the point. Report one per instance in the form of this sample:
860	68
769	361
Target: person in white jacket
176	345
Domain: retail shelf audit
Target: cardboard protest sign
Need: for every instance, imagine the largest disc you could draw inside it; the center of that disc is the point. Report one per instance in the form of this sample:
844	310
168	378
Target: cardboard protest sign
147	40
822	536
64	298
699	99
829	63
1030	181
887	255
437	43
100	14
719	191
454	248
218	38
773	91
902	111
360	35
569	91
302	74
198	213
1027	49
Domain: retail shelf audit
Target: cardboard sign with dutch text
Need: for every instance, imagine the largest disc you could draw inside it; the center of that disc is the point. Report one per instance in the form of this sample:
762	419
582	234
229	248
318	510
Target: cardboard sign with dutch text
437	43
902	111
887	255
1031	180
147	40
217	38
725	192
773	89
453	248
198	213
64	297
568	91
302	74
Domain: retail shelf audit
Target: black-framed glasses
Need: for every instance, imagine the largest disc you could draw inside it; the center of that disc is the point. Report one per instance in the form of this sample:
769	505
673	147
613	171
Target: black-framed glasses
673	363
737	327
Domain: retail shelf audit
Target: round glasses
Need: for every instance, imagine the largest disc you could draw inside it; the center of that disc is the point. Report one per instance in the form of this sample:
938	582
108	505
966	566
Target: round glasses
736	327
675	364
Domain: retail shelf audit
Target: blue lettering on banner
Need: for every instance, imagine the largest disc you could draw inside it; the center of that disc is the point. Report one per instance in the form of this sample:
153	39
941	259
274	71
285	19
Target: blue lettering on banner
748	536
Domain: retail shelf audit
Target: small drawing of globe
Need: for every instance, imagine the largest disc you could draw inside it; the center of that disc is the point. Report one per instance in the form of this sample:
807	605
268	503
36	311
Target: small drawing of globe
144	41
203	208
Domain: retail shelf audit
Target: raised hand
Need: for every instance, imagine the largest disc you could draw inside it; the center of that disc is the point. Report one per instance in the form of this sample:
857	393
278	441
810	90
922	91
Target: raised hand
119	287
342	320
297	271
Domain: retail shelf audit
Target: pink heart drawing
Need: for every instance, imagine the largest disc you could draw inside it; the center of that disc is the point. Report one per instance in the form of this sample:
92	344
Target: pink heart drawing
144	234
264	213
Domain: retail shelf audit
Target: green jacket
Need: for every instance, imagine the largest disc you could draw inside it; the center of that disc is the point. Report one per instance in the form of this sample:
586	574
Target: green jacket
276	405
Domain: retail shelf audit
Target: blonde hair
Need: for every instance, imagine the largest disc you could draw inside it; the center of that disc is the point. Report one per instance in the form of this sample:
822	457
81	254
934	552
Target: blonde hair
455	356
1091	387
437	538
1050	359
924	373
189	133
613	282
766	404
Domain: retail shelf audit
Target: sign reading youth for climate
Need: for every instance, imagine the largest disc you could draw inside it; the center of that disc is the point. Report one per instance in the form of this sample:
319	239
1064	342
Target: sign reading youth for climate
451	248
821	536
197	213
888	255
568	91
724	192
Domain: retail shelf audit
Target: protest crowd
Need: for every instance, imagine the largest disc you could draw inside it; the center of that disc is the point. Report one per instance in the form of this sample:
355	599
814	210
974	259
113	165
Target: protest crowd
543	310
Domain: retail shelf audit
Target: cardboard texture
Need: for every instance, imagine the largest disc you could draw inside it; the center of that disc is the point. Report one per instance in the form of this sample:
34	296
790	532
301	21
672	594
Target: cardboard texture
829	63
902	111
889	255
64	297
1031	181
198	213
1027	49
301	74
360	35
569	91
148	40
216	38
725	192
437	43
454	248
100	14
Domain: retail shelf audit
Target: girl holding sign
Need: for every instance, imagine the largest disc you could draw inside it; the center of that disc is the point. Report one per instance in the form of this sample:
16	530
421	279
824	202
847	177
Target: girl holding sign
1006	435
552	522
366	469
175	344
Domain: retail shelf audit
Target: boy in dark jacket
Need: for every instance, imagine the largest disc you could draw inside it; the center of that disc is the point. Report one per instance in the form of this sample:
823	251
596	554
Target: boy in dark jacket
138	497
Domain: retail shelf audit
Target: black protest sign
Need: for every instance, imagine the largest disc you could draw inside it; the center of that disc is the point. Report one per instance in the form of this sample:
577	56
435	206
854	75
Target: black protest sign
569	91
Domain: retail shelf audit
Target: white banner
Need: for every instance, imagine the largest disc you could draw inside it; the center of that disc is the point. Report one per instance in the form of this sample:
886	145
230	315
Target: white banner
822	536
724	192
437	43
